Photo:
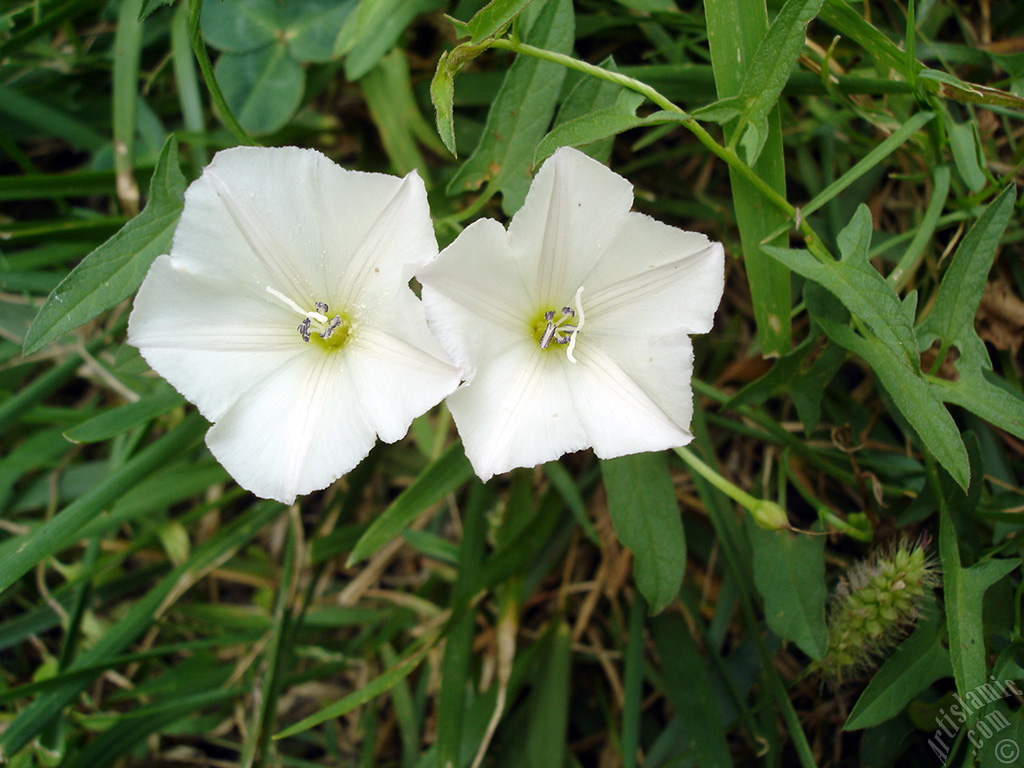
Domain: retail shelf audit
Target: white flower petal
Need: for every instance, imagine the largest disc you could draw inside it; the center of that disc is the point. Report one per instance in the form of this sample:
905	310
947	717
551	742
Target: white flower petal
633	392
617	415
295	432
399	241
211	339
656	278
465	336
396	381
517	411
292	219
572	213
480	273
266	235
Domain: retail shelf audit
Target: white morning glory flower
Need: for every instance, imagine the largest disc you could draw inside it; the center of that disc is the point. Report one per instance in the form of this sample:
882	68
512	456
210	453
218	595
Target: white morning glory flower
284	313
572	326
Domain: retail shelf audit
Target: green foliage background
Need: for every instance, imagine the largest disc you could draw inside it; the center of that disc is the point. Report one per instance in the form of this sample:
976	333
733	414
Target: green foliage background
859	161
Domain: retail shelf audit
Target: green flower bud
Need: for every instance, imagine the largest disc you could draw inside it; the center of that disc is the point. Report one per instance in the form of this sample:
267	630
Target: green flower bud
770	516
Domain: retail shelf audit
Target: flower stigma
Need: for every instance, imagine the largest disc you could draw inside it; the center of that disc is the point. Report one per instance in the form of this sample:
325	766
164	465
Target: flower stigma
328	332
562	329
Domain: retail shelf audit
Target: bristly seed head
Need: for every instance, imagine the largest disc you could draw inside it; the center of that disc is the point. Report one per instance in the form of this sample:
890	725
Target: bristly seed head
873	606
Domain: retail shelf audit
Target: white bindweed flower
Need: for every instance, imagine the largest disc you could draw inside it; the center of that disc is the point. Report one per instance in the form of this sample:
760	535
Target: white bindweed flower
284	313
572	326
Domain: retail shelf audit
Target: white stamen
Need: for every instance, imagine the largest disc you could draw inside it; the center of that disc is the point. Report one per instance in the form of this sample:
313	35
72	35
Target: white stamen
579	325
311	315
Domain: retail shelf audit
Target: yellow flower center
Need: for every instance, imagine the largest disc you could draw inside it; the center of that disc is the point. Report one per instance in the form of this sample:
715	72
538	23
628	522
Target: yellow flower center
551	328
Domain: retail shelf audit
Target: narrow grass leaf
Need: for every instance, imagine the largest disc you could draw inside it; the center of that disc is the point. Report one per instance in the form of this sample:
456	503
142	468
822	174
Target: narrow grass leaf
450	470
904	269
47	120
789	572
112	272
967	156
845	19
458	649
688	686
869	161
645	514
392	105
127	49
633	682
367	693
735	29
114	421
21	554
771	66
547	729
33	718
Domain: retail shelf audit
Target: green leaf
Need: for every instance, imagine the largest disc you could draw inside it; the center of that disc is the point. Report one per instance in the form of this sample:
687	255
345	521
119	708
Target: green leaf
33	718
112	272
789	572
450	470
591	96
803	374
240	26
952	322
367	693
19	555
967	157
735	29
114	421
688	686
918	662
263	88
442	96
964	591
645	514
859	286
373	30
952	316
494	16
771	66
521	112
312	27
149	6
916	401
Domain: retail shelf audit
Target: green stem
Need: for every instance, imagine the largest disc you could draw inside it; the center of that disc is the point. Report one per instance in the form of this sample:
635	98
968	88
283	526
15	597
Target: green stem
734	492
767	514
195	33
726	154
